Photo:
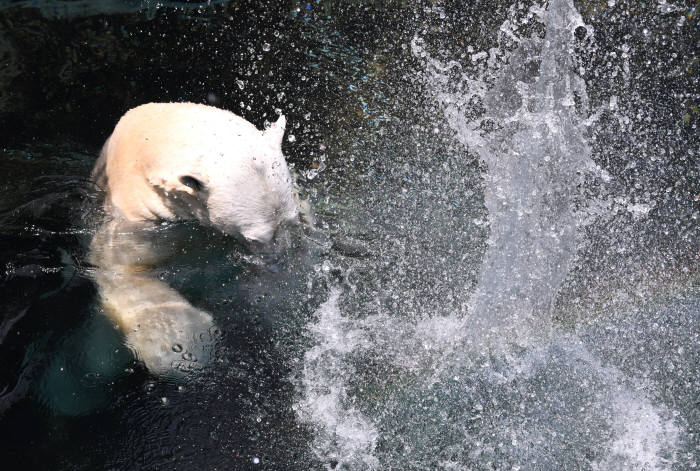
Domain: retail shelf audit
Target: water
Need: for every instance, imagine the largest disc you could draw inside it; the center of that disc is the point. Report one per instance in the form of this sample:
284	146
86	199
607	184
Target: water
495	384
537	160
503	273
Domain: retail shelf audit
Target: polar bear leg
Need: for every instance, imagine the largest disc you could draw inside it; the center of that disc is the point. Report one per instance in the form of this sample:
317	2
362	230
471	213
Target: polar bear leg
163	329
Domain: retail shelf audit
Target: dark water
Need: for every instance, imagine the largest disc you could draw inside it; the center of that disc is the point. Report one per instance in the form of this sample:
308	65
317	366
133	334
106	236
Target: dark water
504	271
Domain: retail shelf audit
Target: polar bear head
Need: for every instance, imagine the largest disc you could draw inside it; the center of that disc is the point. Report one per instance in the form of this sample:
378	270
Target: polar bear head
170	161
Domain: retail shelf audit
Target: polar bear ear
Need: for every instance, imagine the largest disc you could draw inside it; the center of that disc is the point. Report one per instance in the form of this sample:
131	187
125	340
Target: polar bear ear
276	131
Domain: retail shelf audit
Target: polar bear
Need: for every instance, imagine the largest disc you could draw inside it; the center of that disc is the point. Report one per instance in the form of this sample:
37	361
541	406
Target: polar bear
180	161
167	161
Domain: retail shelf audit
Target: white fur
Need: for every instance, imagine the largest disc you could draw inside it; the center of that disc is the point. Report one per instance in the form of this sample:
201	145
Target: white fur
247	186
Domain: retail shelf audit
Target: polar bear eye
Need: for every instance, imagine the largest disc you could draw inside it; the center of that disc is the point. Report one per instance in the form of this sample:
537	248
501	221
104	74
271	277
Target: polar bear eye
192	182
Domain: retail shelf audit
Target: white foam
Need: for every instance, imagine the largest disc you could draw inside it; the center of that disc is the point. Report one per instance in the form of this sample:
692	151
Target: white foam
645	437
341	432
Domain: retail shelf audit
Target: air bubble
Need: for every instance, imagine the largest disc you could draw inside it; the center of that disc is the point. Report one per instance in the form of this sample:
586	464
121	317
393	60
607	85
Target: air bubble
177	348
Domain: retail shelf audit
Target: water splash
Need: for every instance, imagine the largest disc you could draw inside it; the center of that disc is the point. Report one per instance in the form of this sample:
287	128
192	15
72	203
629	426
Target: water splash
450	391
344	435
531	134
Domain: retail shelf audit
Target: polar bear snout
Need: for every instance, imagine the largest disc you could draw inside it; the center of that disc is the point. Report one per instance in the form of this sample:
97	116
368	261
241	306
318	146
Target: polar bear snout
275	241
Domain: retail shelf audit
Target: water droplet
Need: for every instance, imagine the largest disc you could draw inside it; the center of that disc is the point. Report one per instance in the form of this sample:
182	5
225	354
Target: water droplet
266	47
187	356
240	84
212	98
164	401
149	387
256	460
177	348
291	138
